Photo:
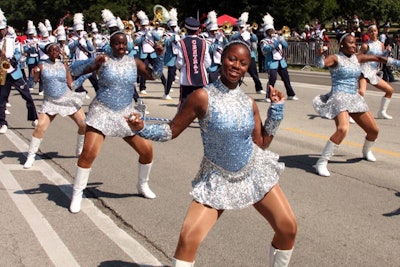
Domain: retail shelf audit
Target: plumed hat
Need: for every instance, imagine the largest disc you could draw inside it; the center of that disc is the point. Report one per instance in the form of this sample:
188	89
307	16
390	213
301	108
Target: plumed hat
94	27
268	22
61	35
120	24
109	19
48	25
43	30
144	20
31	29
3	20
241	22
78	22
212	24
173	17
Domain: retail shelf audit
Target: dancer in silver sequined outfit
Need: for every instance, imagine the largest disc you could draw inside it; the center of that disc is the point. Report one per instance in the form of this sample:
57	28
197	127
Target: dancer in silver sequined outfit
237	170
344	100
370	71
58	99
117	76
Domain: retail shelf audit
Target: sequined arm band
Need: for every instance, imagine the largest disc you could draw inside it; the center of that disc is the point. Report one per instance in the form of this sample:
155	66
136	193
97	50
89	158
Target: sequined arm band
78	82
393	62
274	118
158	67
319	61
78	66
156	132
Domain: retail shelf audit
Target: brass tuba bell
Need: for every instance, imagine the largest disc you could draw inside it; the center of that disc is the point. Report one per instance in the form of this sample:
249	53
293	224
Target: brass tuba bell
227	28
161	14
285	32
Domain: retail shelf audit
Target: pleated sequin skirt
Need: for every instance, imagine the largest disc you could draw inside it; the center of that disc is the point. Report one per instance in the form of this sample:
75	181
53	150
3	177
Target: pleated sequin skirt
330	105
370	73
222	189
66	105
109	122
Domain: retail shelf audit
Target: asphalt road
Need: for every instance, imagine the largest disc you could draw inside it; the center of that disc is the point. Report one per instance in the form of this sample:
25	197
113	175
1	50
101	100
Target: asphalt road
349	219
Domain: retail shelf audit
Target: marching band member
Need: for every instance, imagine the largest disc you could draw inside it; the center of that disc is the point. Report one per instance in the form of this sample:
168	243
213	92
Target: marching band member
31	50
272	47
193	60
10	54
145	40
44	33
82	48
49	28
216	42
65	53
171	51
97	39
245	33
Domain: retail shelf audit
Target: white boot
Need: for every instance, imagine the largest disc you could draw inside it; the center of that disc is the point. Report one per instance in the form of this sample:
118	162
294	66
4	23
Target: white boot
322	163
179	263
143	179
79	144
33	149
279	258
382	110
80	182
367	153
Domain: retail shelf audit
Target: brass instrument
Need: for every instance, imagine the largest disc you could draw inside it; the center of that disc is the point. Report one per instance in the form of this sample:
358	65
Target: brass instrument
4	63
285	32
227	28
161	14
253	26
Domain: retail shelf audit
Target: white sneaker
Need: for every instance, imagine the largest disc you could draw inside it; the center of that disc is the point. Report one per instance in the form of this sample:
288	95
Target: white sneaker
293	98
143	92
166	97
171	90
8	105
3	129
35	123
261	92
7	112
351	120
31	89
41	93
268	100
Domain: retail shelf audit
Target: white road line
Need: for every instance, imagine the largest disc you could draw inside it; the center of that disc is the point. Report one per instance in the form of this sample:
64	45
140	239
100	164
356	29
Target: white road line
58	253
128	244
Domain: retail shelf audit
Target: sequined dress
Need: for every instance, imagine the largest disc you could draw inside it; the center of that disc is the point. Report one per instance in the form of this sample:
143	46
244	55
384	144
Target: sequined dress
370	69
58	98
344	92
234	172
114	98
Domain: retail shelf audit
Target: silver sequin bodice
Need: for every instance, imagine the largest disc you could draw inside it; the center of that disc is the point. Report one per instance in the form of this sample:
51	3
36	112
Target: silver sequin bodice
346	74
227	127
117	79
54	79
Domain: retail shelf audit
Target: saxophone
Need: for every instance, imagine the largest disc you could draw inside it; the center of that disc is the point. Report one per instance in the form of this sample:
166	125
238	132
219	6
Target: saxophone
4	64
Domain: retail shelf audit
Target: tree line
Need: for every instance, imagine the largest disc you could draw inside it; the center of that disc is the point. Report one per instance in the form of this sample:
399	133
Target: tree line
291	13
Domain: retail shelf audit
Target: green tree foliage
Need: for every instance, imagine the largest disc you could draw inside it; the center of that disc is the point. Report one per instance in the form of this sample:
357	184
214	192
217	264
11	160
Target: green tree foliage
285	12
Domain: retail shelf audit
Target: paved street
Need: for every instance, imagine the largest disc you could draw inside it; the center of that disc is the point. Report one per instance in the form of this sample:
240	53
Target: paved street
349	219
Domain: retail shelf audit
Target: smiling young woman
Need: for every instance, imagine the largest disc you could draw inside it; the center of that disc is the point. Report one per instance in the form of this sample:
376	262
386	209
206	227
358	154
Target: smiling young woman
237	170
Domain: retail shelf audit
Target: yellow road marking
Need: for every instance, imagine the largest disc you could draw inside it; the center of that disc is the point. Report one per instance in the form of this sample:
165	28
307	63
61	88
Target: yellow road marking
325	137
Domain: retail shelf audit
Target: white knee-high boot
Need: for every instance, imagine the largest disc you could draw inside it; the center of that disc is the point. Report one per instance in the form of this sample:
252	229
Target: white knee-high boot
382	110
80	182
279	258
327	153
33	149
367	153
143	179
79	144
179	263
